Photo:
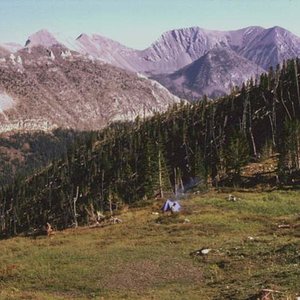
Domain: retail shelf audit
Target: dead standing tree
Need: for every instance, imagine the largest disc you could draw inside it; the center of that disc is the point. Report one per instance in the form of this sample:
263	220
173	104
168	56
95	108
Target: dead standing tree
49	229
74	207
161	192
94	217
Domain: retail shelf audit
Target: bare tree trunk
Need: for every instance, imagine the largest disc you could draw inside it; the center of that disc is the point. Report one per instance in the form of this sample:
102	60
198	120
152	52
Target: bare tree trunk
110	205
297	146
250	131
15	221
285	107
292	103
244	118
271	123
253	142
297	84
74	207
175	181
181	184
102	192
2	217
161	192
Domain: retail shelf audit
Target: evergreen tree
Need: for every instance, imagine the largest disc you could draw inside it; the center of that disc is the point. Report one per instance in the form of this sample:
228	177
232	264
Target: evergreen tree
237	154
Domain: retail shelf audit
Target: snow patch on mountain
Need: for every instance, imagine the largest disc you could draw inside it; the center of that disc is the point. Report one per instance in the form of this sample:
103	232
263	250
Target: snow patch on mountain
6	102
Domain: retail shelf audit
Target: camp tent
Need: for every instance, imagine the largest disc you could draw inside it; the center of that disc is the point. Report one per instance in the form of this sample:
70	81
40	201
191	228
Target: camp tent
171	205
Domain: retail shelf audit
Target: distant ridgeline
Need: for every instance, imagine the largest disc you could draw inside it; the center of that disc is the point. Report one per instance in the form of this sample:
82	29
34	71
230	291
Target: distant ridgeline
126	162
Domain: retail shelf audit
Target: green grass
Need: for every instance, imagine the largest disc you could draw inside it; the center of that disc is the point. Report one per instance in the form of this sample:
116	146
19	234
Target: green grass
147	256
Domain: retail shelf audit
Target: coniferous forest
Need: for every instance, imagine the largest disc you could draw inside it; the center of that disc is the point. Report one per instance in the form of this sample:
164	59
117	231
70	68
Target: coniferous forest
23	153
205	142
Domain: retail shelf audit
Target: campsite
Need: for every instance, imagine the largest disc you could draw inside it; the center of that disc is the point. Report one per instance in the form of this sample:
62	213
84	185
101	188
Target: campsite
171	206
254	242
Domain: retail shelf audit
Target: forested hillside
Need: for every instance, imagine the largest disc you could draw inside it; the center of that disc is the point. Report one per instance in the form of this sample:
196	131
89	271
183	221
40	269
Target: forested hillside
207	141
21	153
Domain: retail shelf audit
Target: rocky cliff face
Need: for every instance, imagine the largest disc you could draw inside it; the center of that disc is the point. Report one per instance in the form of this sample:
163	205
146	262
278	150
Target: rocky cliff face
61	88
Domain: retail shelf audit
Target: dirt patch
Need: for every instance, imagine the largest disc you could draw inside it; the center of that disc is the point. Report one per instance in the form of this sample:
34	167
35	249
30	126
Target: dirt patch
145	274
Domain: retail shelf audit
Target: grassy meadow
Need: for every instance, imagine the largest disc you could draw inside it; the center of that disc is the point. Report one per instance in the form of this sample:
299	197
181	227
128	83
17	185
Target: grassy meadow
147	256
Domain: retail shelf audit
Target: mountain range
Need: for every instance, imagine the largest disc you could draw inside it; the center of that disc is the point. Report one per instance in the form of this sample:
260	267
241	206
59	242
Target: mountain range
180	47
87	82
48	87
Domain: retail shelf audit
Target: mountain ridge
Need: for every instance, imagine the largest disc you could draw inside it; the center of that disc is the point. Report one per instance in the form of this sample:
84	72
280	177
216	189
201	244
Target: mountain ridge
179	47
61	88
213	74
254	48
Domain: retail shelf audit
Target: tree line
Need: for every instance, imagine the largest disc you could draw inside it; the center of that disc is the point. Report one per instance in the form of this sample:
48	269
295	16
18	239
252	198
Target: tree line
207	141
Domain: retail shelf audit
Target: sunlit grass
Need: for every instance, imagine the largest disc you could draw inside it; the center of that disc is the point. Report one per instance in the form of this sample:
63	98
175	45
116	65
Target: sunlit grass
148	256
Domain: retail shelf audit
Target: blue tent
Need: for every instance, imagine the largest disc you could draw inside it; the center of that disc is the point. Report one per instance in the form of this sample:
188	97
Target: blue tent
171	205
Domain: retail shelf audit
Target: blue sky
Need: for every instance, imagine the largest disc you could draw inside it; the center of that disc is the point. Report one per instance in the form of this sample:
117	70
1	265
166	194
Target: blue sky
137	23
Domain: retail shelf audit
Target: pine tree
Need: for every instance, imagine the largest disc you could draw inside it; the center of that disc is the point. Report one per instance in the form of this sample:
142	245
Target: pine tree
237	154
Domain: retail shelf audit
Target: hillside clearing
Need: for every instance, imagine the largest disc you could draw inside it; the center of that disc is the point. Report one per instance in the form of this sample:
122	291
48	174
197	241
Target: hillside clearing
148	256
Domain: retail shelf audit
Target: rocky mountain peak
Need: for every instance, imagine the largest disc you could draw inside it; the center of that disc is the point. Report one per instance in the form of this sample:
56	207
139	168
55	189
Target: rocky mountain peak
41	38
213	74
271	46
82	36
